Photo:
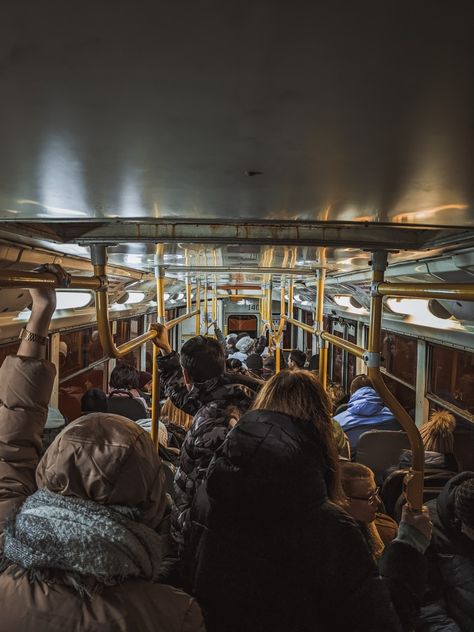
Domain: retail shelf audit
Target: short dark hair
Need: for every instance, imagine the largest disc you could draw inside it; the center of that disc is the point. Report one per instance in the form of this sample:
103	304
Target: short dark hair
203	358
298	357
360	381
94	401
232	364
124	376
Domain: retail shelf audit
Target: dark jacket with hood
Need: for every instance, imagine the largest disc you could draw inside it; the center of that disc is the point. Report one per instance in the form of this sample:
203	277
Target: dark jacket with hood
450	595
267	551
95	460
216	404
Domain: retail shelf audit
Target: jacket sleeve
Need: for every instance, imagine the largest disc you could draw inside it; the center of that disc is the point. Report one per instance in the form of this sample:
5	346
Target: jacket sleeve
25	390
219	335
173	386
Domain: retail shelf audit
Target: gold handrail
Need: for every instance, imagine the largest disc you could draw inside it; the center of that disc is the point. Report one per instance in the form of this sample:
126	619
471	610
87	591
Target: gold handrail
18	278
413	480
453	291
350	347
179	319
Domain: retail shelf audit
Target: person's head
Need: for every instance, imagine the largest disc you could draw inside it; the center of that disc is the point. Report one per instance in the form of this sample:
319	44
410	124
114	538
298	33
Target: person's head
230	341
145	381
109	460
297	359
169	413
124	377
360	381
313	364
202	358
94	401
464	506
245	344
437	433
299	395
269	366
359	486
233	365
254	363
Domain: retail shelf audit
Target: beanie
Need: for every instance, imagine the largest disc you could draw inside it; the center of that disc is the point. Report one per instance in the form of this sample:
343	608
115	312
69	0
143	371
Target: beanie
464	502
244	344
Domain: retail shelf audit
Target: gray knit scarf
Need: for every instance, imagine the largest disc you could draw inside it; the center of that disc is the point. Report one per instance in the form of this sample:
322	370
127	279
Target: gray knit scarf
79	543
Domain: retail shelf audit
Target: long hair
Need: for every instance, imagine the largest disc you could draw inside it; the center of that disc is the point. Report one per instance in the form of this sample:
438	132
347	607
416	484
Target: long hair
299	395
175	415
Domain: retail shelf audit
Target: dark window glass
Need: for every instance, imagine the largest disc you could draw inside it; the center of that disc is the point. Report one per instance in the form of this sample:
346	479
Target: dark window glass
351	336
451	376
71	390
405	395
399	356
238	324
8	349
77	350
127	330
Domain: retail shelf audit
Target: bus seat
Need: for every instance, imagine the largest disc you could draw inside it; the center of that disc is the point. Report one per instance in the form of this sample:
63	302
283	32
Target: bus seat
464	449
381	449
128	407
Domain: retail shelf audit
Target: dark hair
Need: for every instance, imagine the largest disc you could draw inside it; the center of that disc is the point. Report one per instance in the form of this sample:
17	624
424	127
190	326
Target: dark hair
254	362
94	401
203	358
298	357
243	334
124	377
233	364
360	381
299	395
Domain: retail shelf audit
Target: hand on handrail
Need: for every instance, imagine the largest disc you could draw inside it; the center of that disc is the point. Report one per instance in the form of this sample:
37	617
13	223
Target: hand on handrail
161	339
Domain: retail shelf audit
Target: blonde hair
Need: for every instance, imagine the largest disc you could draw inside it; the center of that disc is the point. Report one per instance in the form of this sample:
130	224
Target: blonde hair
170	413
437	433
299	395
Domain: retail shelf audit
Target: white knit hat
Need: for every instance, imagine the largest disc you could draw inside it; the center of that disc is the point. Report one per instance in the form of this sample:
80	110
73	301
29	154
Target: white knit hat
244	344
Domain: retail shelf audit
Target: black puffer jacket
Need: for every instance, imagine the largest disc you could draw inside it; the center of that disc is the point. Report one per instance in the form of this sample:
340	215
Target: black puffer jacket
216	404
450	595
268	552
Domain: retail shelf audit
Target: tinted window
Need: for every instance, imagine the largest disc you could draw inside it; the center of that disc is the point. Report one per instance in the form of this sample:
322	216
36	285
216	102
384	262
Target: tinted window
399	356
77	350
71	390
451	376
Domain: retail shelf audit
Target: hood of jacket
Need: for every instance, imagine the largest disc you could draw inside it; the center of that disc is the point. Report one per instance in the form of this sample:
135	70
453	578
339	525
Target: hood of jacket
108	459
365	407
269	465
447	535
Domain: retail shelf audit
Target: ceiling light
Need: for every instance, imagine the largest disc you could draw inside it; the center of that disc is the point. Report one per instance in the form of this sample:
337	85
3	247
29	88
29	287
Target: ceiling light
417	311
135	297
72	300
180	296
343	300
166	296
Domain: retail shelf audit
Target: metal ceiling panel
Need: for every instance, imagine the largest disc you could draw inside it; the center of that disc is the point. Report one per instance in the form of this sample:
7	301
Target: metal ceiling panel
242	110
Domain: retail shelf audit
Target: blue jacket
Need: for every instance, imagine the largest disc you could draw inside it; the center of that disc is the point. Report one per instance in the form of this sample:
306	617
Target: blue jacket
365	408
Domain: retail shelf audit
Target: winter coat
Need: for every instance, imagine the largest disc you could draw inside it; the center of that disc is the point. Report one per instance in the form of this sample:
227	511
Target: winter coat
216	405
365	408
449	602
103	466
267	551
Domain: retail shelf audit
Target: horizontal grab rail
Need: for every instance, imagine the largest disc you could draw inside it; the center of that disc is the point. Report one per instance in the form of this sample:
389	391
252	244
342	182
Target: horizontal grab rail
350	347
17	278
459	291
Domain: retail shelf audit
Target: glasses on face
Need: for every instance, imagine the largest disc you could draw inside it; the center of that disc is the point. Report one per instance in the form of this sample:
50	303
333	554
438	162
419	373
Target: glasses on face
372	499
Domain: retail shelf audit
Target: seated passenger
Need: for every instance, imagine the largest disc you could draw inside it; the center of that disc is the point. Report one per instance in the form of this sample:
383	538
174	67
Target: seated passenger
449	602
94	401
145	385
79	547
365	411
197	384
269	549
297	360
361	491
437	435
124	398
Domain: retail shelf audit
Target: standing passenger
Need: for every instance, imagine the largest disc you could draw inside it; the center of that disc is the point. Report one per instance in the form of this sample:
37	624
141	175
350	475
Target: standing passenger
269	549
78	543
297	360
196	383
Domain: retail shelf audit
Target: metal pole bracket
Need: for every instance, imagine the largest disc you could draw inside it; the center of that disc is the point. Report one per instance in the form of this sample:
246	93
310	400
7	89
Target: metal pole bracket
371	359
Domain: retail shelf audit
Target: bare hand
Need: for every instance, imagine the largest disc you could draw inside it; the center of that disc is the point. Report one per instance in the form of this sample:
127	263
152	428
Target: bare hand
44	298
418	519
161	340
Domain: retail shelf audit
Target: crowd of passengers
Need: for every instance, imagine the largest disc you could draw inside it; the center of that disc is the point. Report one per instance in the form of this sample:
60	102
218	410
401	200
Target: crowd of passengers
269	525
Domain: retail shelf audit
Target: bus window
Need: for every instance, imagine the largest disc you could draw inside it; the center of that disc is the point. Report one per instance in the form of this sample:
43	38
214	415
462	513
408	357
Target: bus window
399	356
451	376
73	388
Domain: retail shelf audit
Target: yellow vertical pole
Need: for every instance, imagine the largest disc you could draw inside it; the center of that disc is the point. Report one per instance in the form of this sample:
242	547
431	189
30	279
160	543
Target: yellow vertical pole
160	313
279	335
198	307
205	300
214	300
414	479
323	345
189	305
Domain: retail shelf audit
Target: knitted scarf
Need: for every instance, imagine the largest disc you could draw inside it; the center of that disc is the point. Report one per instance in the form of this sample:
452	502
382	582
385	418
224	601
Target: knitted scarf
78	543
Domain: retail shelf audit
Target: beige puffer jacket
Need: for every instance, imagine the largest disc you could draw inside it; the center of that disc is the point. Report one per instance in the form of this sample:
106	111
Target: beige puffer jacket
118	466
